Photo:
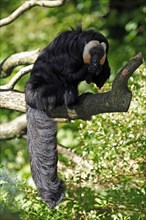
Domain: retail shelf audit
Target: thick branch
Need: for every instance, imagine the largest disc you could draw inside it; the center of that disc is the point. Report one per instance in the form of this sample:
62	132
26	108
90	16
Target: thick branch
12	100
28	5
116	100
23	58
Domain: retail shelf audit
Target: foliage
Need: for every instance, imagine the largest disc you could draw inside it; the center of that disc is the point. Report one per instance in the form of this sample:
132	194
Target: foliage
113	187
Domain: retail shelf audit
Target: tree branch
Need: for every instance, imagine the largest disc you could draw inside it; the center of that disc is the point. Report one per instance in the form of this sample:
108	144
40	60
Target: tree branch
15	128
74	157
28	5
12	100
23	58
116	100
16	78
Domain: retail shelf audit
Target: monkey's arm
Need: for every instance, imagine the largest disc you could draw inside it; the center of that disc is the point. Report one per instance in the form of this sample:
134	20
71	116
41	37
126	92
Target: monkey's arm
76	76
71	86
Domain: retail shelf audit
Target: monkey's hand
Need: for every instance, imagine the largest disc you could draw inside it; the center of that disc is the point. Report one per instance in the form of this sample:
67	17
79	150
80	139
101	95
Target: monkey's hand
94	69
91	72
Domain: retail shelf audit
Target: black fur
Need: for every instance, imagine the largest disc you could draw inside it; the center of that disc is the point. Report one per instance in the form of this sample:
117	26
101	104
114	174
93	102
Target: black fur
54	81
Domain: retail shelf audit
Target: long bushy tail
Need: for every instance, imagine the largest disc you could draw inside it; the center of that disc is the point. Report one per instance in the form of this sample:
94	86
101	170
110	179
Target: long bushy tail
41	131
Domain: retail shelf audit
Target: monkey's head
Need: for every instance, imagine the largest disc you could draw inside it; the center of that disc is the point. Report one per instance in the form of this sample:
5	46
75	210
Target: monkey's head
94	54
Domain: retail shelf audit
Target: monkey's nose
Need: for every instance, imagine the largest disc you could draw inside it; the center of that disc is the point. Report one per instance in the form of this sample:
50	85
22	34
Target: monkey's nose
94	64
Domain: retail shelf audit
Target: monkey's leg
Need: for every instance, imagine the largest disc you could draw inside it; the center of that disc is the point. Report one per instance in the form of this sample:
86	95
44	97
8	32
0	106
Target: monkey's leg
71	95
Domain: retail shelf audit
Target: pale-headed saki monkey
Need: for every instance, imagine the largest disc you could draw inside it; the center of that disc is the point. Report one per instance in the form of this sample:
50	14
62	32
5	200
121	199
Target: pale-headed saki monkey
73	56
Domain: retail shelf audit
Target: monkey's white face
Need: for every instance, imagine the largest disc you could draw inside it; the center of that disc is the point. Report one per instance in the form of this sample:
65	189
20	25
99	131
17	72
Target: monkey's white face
94	49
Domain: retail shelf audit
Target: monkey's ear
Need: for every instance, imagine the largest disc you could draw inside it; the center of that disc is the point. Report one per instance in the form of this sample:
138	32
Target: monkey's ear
102	60
88	46
104	46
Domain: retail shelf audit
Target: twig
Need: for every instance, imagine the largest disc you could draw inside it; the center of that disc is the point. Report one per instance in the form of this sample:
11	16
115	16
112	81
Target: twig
28	5
74	157
16	78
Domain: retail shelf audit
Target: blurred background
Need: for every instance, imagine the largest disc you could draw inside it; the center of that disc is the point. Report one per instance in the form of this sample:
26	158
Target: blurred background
113	186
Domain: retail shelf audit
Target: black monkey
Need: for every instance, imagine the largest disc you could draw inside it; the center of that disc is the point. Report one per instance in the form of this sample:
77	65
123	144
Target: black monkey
72	57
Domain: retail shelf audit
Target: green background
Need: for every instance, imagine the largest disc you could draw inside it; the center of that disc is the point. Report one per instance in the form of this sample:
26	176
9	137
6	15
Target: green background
114	187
